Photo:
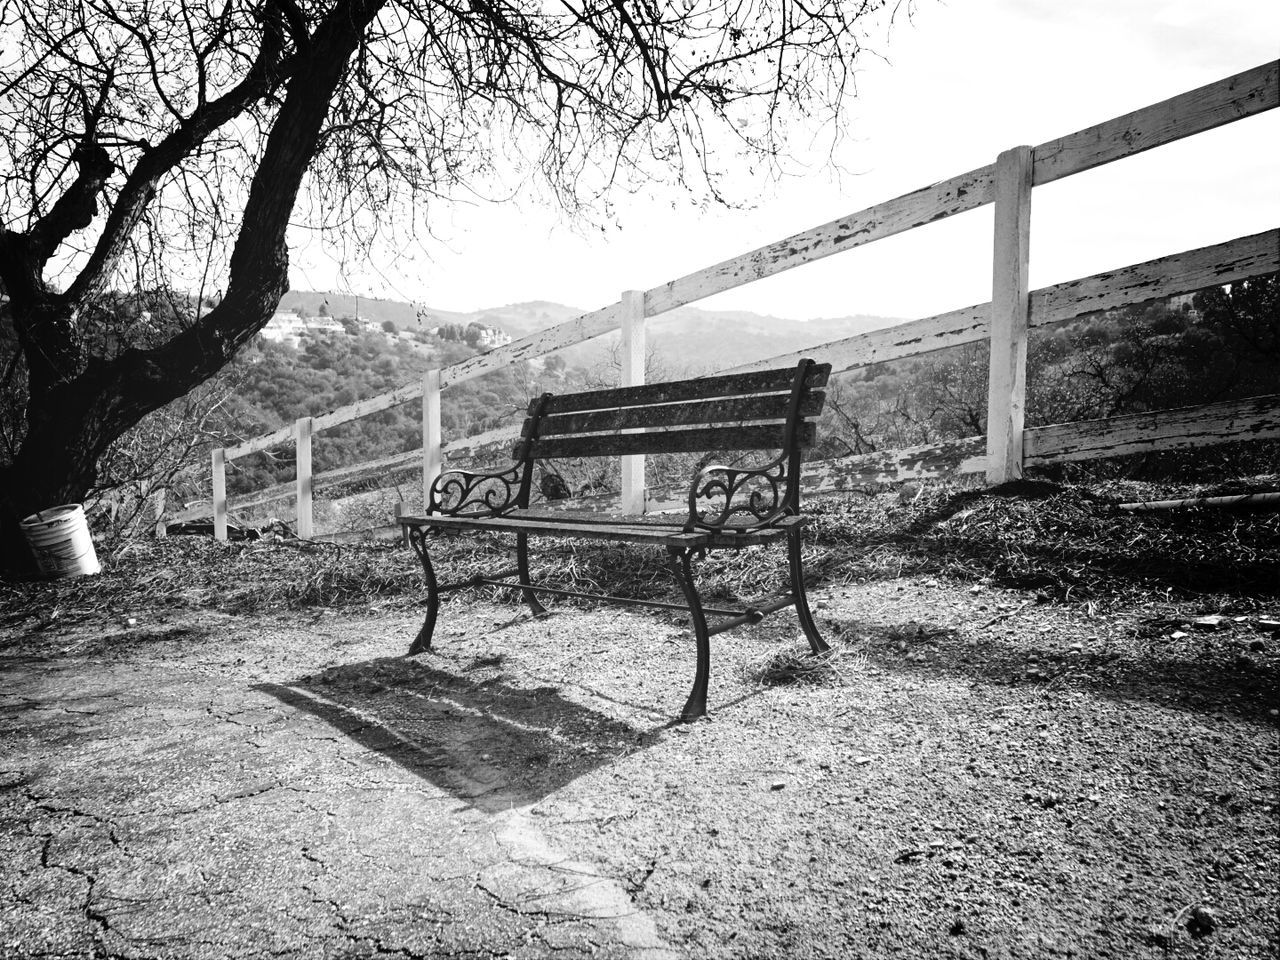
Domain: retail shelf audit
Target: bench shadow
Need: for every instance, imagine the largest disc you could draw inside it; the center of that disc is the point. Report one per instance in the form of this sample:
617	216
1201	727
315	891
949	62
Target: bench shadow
485	741
1227	685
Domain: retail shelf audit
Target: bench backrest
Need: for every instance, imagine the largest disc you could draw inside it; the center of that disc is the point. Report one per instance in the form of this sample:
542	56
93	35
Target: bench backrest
760	410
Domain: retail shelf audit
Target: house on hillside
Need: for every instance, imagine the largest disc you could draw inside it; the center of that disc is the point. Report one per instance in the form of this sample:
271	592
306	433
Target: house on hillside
489	337
318	327
292	329
478	335
288	328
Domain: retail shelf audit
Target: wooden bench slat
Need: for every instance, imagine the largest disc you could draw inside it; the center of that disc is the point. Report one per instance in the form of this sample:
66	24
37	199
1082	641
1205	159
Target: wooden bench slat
758	410
766	437
771	406
703	388
639	531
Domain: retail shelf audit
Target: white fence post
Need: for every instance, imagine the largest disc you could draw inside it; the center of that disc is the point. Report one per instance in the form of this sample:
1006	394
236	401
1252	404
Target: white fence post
302	436
1007	383
432	458
219	493
159	497
633	351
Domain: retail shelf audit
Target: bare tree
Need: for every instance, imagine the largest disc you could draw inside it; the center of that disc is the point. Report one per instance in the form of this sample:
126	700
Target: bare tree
149	144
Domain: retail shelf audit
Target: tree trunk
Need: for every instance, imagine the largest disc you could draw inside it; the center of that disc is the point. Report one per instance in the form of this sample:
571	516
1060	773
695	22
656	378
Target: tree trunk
69	428
79	406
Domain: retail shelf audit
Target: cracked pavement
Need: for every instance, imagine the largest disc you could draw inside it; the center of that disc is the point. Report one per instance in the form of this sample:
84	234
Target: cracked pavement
183	793
1046	782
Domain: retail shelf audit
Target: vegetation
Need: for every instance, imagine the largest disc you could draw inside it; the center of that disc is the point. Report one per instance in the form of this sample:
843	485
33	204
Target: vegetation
166	145
279	384
1220	344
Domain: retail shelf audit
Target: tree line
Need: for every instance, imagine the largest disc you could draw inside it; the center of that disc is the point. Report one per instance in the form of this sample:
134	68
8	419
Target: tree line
1222	343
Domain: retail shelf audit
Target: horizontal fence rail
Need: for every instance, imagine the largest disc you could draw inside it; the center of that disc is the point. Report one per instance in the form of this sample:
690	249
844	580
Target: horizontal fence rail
1018	311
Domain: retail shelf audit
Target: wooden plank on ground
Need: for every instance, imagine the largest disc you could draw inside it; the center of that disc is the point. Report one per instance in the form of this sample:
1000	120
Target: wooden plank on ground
1257	418
1195	111
202	510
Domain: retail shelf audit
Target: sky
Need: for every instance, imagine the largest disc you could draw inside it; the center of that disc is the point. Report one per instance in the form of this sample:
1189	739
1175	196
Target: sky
959	83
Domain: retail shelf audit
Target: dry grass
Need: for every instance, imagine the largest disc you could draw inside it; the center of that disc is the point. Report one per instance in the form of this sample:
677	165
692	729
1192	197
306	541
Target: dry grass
1069	543
796	665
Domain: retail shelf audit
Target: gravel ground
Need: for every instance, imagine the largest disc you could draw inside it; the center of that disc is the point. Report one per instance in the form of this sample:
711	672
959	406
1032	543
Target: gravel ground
975	771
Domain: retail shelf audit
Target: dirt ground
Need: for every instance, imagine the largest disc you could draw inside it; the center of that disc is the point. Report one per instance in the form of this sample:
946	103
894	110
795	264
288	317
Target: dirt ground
975	772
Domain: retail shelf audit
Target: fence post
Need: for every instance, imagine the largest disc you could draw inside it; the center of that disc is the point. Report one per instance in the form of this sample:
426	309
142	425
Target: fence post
1007	382
219	493
633	351
432	458
302	436
399	511
161	528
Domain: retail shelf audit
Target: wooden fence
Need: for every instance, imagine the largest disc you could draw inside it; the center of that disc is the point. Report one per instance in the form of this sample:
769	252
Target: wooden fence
1005	321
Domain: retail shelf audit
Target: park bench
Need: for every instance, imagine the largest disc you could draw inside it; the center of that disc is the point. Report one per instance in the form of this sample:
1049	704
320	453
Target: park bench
729	507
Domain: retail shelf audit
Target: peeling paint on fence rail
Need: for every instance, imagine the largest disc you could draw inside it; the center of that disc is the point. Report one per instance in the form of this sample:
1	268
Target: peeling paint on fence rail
1245	94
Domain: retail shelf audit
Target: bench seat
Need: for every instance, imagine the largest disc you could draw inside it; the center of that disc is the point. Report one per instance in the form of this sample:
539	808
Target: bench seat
645	529
731	505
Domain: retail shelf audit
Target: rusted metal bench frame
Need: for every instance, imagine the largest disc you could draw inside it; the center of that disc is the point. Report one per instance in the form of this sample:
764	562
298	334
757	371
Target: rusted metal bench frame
769	409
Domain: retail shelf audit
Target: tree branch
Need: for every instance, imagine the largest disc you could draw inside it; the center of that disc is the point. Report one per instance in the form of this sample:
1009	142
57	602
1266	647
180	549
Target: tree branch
258	269
270	68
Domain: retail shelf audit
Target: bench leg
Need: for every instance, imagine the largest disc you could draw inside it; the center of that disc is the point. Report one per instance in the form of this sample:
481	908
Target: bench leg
418	540
696	705
816	643
522	563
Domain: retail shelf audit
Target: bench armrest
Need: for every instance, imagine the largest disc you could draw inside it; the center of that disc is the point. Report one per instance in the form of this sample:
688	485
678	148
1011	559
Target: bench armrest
753	497
478	494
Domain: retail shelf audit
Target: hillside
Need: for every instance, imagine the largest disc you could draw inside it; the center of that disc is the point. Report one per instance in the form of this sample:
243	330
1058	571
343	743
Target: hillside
690	338
1221	345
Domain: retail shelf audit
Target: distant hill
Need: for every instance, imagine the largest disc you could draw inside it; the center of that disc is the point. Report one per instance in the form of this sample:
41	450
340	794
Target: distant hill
691	339
722	338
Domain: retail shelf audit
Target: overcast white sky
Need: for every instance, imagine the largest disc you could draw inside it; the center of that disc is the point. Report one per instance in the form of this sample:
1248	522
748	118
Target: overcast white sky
964	81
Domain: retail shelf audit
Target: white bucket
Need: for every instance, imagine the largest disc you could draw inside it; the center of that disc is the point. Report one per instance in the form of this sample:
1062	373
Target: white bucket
59	538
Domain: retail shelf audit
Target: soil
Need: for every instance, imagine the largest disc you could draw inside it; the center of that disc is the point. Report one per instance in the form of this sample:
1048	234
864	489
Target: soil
976	770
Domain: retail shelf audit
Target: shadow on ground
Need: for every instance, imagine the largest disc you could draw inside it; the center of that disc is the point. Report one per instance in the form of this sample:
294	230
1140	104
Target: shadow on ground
1224	684
488	743
1036	535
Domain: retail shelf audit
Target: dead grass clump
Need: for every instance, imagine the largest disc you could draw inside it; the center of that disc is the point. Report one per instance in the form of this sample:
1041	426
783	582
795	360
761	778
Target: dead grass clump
797	665
1070	543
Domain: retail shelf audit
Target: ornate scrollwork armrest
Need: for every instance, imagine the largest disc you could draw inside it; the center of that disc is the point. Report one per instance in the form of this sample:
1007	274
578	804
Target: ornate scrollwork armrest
757	494
486	494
